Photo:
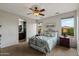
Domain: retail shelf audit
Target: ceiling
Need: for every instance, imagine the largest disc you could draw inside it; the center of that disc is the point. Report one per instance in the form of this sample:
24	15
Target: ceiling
50	8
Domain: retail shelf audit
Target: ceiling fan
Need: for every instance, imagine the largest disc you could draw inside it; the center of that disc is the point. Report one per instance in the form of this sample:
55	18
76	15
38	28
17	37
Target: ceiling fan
36	11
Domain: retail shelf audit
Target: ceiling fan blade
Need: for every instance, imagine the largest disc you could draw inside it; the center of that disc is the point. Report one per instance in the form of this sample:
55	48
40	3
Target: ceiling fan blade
41	14
31	9
29	13
42	10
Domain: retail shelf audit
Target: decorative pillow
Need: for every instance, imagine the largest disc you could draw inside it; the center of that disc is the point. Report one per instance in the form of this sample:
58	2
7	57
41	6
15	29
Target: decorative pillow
53	34
49	34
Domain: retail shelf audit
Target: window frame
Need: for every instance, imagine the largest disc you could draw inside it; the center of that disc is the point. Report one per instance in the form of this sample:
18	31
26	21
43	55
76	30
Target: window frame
67	18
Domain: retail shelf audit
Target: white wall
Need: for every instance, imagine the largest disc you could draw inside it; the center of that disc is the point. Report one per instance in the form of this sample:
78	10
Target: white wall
56	20
9	29
78	30
31	29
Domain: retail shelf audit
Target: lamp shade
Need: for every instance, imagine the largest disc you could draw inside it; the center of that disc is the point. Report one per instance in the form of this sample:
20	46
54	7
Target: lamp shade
65	30
36	14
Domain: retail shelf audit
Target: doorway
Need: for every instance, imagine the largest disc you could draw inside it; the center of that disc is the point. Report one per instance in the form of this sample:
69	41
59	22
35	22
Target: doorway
22	30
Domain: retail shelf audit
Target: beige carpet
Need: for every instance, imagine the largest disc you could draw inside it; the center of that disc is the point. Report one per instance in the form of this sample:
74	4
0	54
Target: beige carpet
23	49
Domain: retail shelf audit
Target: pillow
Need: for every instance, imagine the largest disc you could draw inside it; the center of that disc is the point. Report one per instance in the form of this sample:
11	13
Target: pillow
53	34
46	34
49	34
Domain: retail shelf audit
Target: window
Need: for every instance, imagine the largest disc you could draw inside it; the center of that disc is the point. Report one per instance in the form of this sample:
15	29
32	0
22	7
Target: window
67	26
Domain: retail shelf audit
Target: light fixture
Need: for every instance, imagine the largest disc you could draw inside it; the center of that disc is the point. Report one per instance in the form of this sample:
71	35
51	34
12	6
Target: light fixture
36	14
36	10
65	30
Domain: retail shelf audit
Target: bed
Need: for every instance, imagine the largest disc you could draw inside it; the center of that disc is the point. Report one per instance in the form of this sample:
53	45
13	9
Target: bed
43	43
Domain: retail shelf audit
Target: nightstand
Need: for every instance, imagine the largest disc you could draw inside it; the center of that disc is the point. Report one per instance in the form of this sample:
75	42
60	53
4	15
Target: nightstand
64	42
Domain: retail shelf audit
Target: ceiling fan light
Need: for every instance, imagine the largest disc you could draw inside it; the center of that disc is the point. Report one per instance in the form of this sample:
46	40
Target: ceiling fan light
36	14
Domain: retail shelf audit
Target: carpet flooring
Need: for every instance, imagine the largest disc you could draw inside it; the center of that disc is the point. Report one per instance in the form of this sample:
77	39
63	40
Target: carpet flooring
23	49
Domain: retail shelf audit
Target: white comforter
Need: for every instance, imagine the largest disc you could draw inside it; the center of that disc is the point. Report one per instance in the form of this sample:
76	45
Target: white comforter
52	41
